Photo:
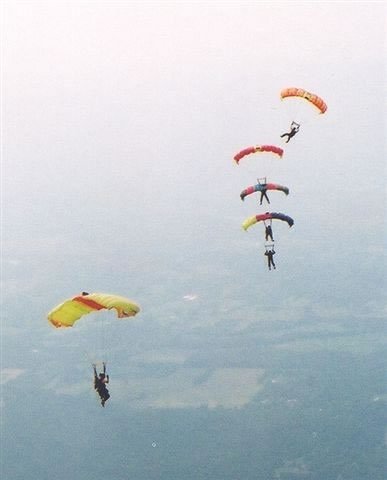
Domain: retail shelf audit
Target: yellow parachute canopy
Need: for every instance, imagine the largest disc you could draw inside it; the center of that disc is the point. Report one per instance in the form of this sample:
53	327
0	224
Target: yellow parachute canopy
70	311
310	97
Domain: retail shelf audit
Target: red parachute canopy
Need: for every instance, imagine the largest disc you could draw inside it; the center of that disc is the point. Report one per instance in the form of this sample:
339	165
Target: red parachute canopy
310	97
259	187
258	148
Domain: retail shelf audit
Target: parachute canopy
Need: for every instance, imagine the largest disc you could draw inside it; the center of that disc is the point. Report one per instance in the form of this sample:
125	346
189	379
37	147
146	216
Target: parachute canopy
259	187
310	97
266	216
70	311
258	148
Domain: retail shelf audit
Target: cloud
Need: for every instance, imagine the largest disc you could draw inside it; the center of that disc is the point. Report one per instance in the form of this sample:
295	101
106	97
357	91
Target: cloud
190	297
166	357
73	390
8	374
193	388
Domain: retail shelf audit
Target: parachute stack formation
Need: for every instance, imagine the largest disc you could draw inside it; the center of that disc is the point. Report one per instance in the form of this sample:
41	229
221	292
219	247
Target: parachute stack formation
262	186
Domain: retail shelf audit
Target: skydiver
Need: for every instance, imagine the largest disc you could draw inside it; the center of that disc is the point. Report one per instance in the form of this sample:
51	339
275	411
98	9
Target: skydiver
264	194
100	381
262	182
294	127
269	254
268	232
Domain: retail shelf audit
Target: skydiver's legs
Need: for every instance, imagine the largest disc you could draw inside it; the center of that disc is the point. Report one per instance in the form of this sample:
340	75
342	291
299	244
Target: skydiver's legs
291	134
264	195
104	398
270	262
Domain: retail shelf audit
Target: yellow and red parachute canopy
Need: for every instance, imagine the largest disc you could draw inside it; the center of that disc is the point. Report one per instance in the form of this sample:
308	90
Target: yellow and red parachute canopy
262	217
70	311
310	97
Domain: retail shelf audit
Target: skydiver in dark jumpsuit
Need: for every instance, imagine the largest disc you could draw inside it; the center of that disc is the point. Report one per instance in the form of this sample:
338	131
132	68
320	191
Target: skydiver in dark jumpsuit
100	381
263	194
269	254
268	232
294	127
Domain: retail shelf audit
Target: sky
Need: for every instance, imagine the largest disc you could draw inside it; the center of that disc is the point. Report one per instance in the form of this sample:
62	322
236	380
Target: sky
120	121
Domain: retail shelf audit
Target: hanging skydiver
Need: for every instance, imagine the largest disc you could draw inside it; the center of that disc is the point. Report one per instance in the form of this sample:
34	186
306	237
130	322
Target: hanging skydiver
263	191
294	128
268	230
100	381
269	254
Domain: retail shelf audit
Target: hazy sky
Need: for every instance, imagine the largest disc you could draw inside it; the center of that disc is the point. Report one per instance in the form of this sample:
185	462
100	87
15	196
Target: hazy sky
120	121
